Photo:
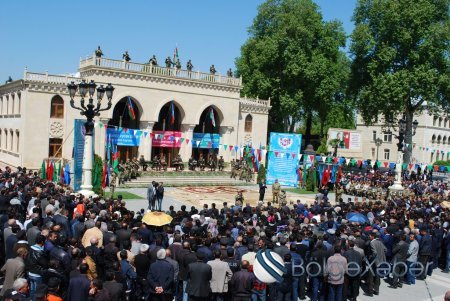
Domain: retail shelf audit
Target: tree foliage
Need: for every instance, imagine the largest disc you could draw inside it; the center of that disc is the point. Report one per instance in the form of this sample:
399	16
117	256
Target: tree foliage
294	57
400	58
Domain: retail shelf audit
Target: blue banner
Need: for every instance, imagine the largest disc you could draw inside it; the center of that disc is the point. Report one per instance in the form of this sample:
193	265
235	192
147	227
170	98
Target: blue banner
124	138
78	152
283	158
202	140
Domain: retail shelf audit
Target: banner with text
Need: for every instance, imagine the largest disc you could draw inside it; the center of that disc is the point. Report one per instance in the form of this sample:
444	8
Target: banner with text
282	164
124	137
78	152
206	140
346	139
169	139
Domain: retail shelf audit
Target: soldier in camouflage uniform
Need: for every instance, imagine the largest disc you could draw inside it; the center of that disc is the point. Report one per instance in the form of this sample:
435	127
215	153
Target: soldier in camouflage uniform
233	169
221	163
121	174
212	163
201	163
276	191
112	183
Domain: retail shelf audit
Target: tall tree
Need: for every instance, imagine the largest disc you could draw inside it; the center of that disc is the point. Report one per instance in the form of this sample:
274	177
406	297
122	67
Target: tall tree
293	57
400	52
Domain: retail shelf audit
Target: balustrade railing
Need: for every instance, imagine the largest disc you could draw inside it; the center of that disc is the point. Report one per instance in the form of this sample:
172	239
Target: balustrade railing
52	79
160	71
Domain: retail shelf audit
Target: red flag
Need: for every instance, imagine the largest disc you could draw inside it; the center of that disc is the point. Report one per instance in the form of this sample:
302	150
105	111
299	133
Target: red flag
347	139
230	147
386	164
436	167
335	159
187	141
339	175
326	176
104	176
410	166
50	169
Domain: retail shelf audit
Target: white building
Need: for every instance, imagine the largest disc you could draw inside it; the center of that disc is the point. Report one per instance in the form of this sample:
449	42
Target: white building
37	121
430	143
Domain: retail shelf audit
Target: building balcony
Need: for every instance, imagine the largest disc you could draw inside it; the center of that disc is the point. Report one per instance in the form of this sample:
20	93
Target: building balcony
148	69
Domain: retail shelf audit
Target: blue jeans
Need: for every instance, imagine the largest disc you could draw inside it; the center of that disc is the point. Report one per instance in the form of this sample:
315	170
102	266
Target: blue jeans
335	292
295	283
409	276
159	204
185	294
448	260
258	295
34	282
317	287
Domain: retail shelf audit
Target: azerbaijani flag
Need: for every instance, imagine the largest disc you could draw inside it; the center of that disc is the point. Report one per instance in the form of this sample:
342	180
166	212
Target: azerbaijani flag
175	55
131	109
172	116
211	115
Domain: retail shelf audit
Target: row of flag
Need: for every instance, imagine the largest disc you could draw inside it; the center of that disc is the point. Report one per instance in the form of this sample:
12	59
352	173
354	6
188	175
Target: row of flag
55	174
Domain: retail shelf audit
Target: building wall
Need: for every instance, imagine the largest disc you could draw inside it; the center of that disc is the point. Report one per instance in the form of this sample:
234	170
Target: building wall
150	93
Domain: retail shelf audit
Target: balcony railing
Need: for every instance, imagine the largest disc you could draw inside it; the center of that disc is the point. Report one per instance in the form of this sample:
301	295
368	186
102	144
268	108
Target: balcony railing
159	71
47	78
257	101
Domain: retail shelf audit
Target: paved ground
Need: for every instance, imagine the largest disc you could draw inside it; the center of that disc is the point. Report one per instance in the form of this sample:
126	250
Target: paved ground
433	289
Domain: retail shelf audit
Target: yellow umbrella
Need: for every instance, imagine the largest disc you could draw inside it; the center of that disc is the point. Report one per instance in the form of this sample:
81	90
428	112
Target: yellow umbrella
156	218
445	204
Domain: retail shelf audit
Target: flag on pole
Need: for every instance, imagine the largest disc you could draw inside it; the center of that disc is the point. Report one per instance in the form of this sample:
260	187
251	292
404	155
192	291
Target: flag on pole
115	161
172	116
211	115
49	171
43	170
55	172
105	179
67	174
131	109
175	55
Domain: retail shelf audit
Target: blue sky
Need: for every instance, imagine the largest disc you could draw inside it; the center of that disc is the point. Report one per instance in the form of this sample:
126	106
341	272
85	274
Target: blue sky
51	35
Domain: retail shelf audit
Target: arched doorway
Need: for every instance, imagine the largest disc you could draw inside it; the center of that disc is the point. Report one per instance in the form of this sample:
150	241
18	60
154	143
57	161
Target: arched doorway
126	115
168	125
206	134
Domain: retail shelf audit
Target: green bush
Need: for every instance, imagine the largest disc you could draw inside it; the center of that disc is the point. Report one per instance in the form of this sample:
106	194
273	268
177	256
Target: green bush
441	162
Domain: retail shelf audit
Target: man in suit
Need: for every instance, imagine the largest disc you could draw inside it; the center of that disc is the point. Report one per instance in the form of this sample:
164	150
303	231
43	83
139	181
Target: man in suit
400	253
198	276
241	284
221	275
151	196
354	259
79	285
377	254
115	289
425	250
160	278
14	268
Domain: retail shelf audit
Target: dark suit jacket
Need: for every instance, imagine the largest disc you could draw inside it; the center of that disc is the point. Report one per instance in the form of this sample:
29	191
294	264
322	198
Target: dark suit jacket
161	274
78	288
188	258
400	251
115	289
199	275
353	256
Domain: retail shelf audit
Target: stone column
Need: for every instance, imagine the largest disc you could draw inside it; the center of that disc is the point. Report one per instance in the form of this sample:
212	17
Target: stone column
101	137
186	148
145	146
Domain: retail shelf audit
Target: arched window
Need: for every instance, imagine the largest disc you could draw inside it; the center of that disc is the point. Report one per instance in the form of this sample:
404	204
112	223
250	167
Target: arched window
6	139
440	122
11	142
435	118
57	107
439	139
433	139
445	122
248	123
444	140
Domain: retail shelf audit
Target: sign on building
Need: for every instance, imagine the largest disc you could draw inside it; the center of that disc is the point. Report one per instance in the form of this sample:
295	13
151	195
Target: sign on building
283	158
206	140
123	137
78	152
346	139
169	139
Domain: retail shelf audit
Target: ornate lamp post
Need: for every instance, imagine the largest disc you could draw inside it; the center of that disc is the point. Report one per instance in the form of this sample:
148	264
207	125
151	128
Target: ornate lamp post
378	143
397	187
90	111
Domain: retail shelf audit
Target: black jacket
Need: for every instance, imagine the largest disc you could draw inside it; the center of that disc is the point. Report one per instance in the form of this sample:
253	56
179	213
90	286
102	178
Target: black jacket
425	245
161	274
36	262
400	251
198	276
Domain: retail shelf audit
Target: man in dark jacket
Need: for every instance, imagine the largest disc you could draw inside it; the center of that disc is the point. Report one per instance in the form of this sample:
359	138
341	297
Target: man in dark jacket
160	278
354	259
400	253
425	248
241	284
79	285
115	289
36	263
198	275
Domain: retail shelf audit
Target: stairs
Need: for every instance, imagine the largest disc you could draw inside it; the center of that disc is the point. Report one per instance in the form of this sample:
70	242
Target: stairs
180	180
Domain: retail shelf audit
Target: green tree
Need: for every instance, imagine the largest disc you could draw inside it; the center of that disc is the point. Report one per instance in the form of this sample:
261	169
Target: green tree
293	57
261	173
400	51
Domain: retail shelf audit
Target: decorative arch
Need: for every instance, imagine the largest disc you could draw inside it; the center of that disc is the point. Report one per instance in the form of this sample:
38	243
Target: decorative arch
439	138
248	126
435	118
215	107
120	109
444	140
433	139
209	123
57	107
166	102
120	97
440	121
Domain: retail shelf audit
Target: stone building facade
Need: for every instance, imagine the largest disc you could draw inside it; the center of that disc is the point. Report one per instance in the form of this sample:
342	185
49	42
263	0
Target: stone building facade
37	121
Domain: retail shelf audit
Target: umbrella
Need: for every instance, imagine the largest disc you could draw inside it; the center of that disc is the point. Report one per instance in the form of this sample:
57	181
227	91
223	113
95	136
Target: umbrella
156	218
355	217
445	204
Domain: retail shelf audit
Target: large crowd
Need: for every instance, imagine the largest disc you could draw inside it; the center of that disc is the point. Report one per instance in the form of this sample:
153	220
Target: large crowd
59	245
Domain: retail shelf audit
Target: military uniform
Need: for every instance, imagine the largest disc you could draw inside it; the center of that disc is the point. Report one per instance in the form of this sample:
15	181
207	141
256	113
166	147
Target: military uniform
112	183
276	191
201	163
239	199
221	163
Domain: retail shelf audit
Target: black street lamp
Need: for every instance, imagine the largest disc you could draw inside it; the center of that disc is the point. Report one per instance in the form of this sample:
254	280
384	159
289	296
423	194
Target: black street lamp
90	111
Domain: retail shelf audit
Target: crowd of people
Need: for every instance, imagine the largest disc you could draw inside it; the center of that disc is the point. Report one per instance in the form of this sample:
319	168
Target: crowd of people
59	245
